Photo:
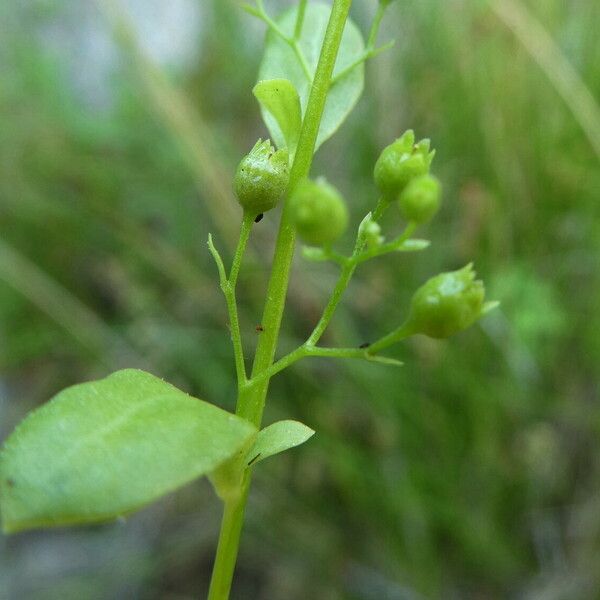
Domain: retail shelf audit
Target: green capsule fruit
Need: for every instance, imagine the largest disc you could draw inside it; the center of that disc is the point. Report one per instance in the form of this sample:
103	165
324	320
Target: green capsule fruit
318	212
399	163
261	178
448	303
420	199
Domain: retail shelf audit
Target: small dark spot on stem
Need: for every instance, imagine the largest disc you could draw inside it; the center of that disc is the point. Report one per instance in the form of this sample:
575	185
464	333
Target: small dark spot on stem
254	459
364	345
10	483
258	218
259	329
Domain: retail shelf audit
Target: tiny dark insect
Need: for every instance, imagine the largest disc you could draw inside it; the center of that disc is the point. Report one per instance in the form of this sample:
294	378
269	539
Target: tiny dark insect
258	218
365	345
254	459
10	482
259	328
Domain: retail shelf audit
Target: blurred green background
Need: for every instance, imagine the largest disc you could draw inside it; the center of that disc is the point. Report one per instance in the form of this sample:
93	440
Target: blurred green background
471	473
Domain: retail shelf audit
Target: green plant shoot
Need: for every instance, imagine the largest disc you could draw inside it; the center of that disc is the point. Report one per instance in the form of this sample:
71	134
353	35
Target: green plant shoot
103	449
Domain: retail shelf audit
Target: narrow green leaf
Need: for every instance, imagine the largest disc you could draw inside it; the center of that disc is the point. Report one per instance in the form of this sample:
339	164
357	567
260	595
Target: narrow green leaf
103	449
282	61
413	245
278	437
384	360
280	105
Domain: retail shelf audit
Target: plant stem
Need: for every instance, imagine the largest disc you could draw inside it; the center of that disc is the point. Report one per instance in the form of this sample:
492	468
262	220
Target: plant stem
227	550
338	291
229	291
305	351
245	230
376	24
228	286
251	405
344	278
370	51
399	334
292	41
251	401
393	246
300	19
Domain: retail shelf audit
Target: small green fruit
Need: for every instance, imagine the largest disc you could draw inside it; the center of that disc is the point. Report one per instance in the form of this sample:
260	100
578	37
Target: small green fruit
448	303
400	162
261	178
318	212
420	200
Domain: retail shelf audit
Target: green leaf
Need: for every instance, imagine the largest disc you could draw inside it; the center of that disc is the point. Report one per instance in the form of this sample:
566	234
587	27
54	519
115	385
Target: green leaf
280	61
280	105
384	360
102	449
278	437
413	245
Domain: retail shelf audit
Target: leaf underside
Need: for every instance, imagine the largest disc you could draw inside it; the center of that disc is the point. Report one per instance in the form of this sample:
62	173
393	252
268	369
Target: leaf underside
280	62
103	449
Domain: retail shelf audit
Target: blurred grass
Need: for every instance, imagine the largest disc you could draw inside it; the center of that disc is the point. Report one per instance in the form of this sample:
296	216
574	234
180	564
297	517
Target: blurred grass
473	472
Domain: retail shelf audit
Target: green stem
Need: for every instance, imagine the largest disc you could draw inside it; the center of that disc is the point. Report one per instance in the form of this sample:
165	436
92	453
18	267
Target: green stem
251	406
228	286
399	334
292	41
251	401
236	337
227	549
370	51
348	268
376	25
301	58
338	291
283	363
305	351
380	208
309	347
245	230
365	56
300	19
230	297
392	246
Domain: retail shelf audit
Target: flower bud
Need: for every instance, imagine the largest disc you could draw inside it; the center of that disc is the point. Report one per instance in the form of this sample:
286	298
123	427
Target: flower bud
448	303
400	162
261	178
373	236
318	212
420	199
